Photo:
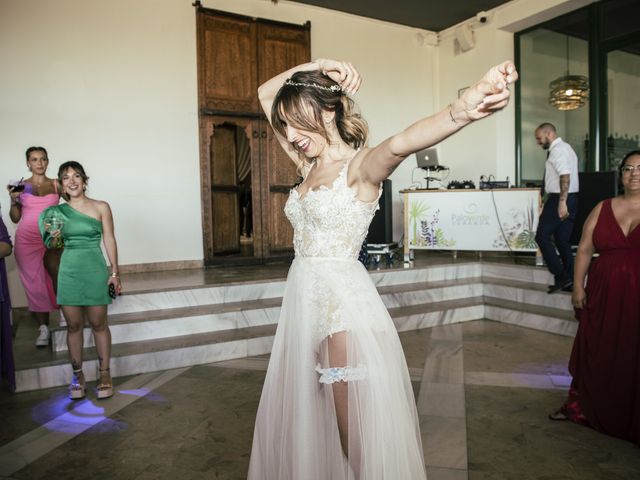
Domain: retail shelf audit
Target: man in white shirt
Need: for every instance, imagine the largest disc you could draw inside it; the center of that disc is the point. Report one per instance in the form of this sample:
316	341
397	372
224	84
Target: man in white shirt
559	211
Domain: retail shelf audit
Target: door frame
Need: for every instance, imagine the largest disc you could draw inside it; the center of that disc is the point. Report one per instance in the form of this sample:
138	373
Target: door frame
250	123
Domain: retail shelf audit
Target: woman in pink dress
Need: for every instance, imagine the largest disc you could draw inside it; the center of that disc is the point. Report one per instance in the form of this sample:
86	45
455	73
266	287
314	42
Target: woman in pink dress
28	200
605	361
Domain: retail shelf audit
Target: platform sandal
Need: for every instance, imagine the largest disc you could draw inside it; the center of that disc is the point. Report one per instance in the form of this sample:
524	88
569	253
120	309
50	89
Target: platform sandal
77	390
104	390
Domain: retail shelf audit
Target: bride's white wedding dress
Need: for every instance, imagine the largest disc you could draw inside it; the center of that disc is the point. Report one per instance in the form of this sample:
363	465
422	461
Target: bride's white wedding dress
328	291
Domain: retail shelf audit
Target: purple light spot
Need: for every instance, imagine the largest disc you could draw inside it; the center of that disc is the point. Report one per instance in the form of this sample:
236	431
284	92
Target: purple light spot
146	393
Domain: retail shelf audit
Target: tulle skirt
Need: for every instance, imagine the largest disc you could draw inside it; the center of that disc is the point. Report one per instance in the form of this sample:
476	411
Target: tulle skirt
296	433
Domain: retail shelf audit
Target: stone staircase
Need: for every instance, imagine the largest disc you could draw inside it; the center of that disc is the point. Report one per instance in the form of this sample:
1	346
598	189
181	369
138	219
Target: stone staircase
172	328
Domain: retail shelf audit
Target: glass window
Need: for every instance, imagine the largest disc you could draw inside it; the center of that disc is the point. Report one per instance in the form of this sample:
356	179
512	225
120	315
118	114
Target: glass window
550	60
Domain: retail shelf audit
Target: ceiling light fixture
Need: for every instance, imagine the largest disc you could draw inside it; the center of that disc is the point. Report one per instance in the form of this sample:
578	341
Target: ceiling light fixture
569	91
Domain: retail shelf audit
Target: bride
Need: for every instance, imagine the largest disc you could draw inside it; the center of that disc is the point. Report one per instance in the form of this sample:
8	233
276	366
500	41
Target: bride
337	401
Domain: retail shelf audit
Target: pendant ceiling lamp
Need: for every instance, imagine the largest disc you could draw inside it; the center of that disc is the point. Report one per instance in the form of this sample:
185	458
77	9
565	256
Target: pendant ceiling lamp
569	91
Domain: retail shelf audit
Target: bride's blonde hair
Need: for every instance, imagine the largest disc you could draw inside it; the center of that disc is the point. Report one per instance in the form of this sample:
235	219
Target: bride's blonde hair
301	101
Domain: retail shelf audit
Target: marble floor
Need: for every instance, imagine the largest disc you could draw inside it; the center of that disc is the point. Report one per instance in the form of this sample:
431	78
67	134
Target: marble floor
483	390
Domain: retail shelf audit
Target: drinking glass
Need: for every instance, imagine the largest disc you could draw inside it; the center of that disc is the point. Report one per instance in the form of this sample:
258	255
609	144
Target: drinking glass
53	224
15	186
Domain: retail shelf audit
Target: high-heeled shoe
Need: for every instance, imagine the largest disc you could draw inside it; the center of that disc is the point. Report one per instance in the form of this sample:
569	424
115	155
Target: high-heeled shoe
104	390
77	390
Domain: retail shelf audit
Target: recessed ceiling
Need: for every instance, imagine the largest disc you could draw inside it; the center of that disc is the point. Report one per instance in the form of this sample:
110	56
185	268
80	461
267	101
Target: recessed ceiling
434	15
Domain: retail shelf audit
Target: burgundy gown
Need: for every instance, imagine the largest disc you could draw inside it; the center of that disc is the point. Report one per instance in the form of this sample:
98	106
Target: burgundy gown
605	361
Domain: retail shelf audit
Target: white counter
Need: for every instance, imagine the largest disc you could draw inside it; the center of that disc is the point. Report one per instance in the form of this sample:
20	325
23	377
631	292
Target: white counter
478	220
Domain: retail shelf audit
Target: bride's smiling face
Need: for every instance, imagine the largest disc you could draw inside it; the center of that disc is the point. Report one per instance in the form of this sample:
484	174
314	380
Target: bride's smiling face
310	143
304	119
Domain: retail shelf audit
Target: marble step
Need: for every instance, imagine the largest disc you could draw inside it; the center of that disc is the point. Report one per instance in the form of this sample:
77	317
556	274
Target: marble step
171	322
432	314
433	273
525	292
178	351
166	323
204	323
151	355
537	317
196	296
200	294
520	273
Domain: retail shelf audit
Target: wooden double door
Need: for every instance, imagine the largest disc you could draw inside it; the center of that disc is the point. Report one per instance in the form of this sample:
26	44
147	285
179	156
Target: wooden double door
228	143
245	175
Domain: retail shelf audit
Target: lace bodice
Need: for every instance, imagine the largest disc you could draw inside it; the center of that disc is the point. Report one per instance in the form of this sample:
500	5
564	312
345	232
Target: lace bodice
329	222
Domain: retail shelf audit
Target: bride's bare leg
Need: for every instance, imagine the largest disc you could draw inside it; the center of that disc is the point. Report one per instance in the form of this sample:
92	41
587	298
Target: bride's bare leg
337	349
337	344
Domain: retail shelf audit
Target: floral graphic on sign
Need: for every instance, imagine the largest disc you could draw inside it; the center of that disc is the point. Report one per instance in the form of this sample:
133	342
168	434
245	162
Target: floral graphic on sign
417	210
519	231
429	235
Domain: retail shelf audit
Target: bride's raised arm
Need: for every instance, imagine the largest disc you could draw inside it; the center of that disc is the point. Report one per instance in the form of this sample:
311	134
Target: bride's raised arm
490	94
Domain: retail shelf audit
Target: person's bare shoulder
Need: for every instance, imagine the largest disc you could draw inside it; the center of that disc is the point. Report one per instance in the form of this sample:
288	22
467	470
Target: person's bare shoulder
101	206
595	212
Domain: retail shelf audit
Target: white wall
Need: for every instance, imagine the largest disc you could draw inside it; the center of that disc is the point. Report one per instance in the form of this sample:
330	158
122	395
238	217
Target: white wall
486	147
112	84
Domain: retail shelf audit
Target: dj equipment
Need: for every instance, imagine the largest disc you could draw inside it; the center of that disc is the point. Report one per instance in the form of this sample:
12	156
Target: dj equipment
491	184
465	184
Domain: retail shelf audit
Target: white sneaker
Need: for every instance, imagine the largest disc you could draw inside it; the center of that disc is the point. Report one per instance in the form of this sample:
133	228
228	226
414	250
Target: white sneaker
43	336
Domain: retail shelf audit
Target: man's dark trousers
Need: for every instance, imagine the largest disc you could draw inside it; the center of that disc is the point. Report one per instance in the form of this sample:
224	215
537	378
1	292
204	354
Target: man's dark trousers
550	225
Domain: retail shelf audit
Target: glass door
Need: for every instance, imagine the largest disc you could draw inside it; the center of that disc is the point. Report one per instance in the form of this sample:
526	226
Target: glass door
623	103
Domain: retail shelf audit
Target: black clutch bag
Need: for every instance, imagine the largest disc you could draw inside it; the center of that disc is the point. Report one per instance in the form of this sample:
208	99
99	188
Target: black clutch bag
112	291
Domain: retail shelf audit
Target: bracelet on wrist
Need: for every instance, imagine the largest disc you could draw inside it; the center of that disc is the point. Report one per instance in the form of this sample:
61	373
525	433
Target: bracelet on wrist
451	114
115	275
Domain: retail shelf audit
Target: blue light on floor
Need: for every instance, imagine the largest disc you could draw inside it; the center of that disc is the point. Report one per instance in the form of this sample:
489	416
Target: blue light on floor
144	392
61	414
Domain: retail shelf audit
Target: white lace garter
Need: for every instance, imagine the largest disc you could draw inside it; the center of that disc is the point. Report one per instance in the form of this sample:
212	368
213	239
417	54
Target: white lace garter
341	374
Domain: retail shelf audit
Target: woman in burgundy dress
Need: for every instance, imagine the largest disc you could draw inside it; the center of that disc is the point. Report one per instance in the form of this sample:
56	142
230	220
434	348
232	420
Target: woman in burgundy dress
605	361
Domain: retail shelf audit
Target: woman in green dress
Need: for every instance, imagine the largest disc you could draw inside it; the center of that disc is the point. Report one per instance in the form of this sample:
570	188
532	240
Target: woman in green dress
84	282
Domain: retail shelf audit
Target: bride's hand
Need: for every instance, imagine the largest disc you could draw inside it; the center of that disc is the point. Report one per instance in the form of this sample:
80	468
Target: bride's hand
343	73
490	94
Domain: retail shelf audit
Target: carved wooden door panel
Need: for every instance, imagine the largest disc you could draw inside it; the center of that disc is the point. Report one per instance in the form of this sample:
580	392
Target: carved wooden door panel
227	62
279	48
235	55
220	185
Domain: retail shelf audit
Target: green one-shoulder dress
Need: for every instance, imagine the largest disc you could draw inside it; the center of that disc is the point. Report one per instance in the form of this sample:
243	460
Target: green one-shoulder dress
83	274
